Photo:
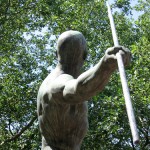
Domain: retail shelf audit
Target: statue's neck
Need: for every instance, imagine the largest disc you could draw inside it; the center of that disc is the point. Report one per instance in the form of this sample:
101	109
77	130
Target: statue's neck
69	69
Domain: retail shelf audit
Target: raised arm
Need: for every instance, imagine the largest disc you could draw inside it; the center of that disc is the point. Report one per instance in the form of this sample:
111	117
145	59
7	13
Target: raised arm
92	81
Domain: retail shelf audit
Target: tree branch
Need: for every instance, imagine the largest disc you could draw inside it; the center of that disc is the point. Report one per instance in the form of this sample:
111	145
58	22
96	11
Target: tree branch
13	138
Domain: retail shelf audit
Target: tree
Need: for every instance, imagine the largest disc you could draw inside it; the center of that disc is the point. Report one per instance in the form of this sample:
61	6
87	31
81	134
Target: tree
27	56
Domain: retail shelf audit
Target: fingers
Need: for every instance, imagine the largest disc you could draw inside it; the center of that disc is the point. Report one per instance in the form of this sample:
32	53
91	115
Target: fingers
116	49
112	56
125	53
113	50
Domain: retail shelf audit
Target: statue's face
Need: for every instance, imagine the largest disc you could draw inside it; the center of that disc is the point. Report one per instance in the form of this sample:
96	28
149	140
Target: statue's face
71	48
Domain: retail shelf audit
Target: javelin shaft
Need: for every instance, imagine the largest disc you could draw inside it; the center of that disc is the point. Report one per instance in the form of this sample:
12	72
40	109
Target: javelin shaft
113	28
125	88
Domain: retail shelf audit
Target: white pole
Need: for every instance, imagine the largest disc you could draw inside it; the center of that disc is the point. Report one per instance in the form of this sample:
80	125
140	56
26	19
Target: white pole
125	88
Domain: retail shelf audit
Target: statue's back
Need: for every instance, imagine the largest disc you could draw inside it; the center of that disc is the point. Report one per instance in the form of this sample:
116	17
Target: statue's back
62	125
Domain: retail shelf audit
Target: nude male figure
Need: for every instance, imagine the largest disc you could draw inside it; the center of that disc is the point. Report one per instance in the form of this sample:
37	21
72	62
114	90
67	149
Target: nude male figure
63	95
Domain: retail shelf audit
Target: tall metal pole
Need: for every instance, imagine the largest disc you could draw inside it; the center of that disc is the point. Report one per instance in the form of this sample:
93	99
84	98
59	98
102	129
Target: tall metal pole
125	88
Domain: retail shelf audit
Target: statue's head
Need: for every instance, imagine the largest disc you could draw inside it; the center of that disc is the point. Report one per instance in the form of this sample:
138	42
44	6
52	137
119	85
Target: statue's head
71	48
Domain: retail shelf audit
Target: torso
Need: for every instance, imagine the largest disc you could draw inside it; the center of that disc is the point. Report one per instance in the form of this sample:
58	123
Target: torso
62	125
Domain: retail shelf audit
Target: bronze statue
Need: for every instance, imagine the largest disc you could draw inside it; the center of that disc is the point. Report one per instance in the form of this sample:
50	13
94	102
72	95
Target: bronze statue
63	95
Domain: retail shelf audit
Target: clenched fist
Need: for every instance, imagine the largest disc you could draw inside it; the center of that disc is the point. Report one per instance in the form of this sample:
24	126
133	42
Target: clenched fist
111	58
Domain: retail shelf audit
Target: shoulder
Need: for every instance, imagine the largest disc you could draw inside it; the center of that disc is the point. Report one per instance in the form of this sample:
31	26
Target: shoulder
51	84
53	87
59	83
64	78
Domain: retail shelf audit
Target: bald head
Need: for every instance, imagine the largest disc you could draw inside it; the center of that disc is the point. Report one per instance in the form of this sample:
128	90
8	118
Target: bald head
71	47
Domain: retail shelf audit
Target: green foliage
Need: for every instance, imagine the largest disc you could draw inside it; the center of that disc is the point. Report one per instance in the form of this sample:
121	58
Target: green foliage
124	5
28	34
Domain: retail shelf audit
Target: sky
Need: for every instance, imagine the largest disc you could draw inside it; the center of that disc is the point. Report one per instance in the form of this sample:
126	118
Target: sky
133	3
135	13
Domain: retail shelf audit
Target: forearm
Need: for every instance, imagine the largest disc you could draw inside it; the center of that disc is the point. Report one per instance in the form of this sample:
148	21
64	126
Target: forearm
95	79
